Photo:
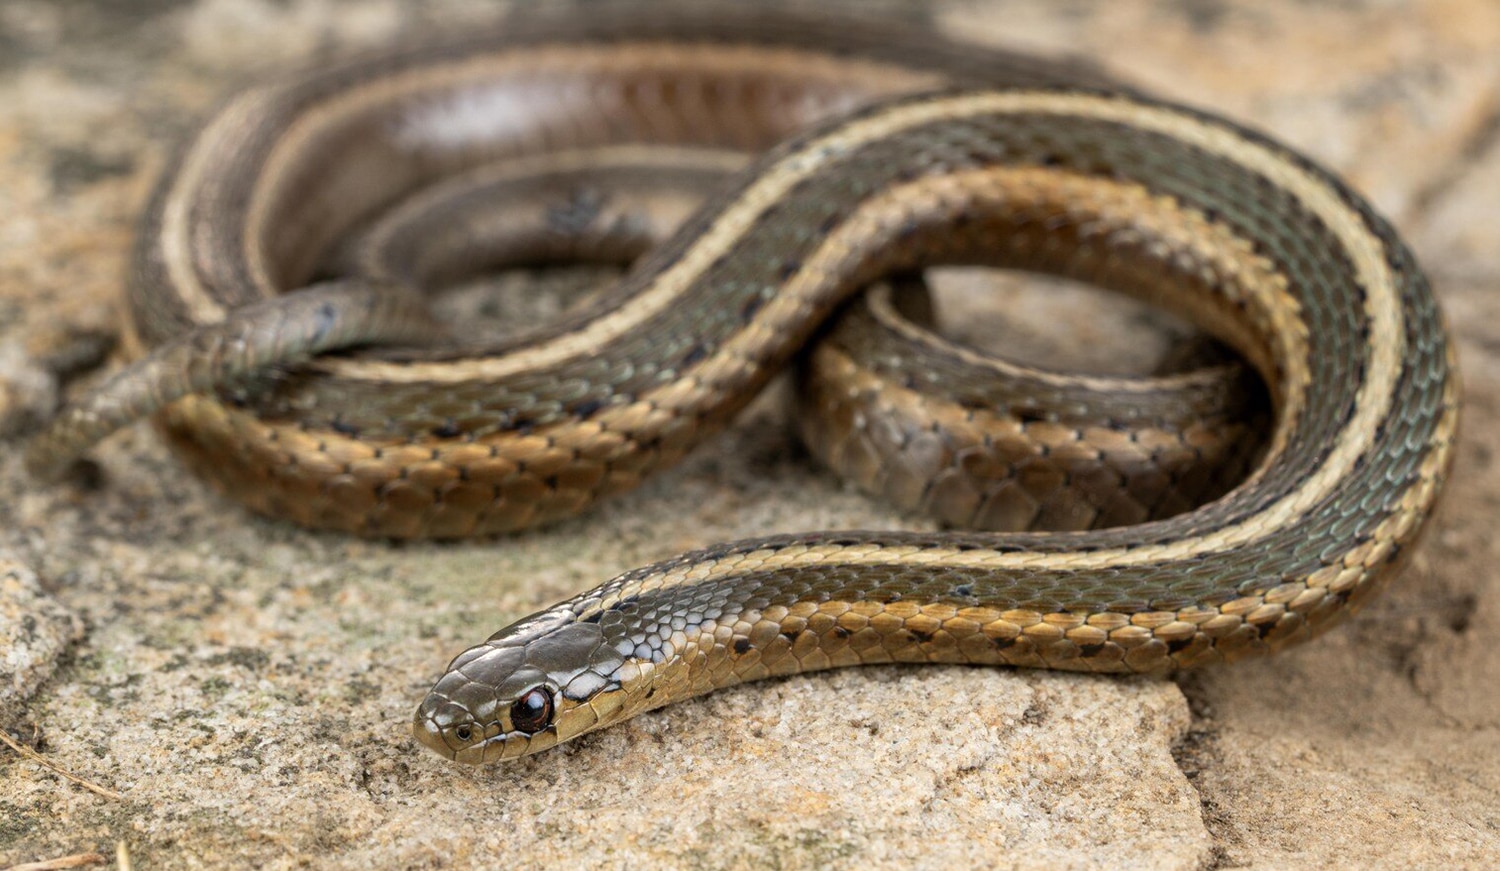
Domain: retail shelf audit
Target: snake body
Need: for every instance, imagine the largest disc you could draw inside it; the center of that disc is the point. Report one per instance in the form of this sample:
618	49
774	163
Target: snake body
980	442
1252	242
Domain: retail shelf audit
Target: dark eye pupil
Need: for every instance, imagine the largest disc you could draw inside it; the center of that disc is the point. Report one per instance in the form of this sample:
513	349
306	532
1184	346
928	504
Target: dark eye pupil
463	733
532	712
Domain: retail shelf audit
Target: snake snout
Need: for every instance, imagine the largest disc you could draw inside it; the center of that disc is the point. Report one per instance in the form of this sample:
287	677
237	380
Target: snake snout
429	734
456	717
444	727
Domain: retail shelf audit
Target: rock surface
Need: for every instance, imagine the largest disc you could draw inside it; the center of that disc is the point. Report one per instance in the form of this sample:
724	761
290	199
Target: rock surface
35	633
246	685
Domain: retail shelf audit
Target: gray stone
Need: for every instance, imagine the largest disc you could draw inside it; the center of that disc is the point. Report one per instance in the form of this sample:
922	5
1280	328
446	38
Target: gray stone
35	631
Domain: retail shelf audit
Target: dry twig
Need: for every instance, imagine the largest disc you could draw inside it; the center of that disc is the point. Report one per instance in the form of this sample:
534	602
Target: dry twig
28	753
77	860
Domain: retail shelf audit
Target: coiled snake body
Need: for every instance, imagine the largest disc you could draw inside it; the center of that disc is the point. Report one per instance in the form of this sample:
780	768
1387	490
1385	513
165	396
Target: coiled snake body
915	158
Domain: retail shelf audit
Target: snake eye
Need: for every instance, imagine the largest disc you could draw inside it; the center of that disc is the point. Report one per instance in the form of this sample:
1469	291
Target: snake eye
463	733
532	712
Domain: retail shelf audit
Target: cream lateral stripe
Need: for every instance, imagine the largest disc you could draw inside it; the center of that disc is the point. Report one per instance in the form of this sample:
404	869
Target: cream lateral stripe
572	61
785	308
1372	401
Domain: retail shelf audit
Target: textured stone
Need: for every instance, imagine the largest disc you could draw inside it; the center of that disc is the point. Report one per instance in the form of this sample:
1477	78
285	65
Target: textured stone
247	685
35	631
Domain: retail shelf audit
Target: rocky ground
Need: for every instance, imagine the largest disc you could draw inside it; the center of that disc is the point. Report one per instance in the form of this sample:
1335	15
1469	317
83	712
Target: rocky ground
243	687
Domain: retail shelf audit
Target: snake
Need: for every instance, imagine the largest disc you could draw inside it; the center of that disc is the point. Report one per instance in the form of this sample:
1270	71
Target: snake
880	150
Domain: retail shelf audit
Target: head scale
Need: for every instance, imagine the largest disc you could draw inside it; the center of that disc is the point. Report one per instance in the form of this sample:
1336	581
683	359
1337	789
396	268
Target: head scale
532	685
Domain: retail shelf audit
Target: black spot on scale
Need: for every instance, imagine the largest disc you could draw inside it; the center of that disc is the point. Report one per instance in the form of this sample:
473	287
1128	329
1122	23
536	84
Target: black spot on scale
1265	629
1087	650
741	645
919	636
790	634
751	306
964	591
1179	644
788	269
446	430
592	618
694	355
343	428
841	632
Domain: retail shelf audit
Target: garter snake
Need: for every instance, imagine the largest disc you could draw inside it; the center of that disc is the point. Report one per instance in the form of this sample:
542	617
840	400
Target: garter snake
917	159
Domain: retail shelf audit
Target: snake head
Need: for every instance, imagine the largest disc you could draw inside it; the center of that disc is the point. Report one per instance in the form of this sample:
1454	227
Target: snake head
531	686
